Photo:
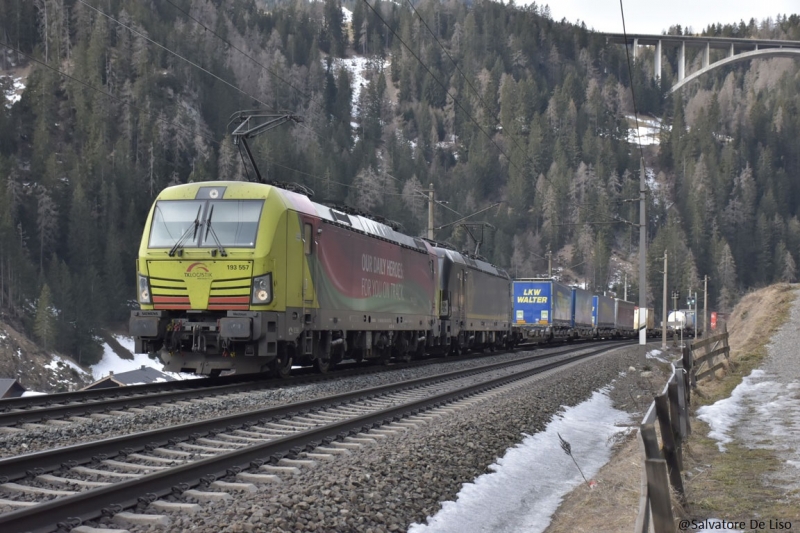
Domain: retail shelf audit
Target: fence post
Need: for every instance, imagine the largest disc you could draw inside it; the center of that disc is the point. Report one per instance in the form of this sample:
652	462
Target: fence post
670	446
683	403
658	493
688	359
643	516
675	420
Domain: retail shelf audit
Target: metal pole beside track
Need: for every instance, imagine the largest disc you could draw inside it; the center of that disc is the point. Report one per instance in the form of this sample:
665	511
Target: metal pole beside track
430	211
705	307
642	254
664	308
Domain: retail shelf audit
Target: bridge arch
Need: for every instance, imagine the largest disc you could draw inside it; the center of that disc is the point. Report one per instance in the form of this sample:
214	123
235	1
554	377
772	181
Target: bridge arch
744	56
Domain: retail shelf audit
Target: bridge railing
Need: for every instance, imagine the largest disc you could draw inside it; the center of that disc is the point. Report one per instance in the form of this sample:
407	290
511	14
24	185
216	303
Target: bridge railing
663	430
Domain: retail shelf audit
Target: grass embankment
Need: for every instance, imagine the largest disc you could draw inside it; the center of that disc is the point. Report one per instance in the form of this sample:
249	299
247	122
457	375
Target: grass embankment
734	485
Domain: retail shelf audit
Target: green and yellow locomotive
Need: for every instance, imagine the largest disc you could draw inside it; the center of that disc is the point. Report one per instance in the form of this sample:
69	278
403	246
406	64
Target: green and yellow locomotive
247	276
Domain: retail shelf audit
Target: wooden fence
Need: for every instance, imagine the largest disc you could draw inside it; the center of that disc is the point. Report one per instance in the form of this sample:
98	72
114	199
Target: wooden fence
664	428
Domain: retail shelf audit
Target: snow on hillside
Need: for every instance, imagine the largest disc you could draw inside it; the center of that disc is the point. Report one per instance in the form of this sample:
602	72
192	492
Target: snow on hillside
357	67
647	132
13	89
111	362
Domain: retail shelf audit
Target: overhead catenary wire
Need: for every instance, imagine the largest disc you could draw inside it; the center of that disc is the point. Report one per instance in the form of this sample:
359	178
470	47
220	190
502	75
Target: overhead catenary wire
148	39
229	84
630	77
437	80
483	102
109	95
455	64
254	60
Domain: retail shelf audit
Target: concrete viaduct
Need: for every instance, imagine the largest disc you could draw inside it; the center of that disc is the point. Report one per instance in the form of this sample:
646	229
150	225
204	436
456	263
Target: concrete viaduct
736	50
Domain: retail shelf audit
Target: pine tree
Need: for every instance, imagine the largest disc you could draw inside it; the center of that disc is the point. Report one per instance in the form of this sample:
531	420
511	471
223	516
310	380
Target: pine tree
44	326
726	279
789	274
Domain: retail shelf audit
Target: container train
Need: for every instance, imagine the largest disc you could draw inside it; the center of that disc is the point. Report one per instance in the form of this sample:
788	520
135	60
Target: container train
251	277
546	309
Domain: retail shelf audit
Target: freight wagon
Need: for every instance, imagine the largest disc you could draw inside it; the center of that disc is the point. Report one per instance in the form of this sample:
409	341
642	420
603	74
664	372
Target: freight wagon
542	308
623	318
582	307
603	316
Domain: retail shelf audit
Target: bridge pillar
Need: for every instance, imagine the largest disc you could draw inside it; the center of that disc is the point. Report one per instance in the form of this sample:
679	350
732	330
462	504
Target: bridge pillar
657	69
706	55
682	62
731	53
635	48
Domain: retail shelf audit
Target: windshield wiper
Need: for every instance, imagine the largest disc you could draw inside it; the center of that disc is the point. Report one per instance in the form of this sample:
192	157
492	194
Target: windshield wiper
222	251
194	226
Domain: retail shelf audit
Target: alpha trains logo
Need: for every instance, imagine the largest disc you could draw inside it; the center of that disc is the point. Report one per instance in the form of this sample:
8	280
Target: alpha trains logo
197	270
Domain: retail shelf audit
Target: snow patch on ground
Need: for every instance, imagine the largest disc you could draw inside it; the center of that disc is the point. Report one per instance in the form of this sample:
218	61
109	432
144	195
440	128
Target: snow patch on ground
656	354
764	413
723	415
59	361
529	482
111	362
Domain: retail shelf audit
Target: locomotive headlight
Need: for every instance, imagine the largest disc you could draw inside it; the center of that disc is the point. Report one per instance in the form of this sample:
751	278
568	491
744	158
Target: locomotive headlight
262	290
144	290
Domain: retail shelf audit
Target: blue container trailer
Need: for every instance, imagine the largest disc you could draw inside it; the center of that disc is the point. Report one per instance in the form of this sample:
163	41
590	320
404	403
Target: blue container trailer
582	304
543	307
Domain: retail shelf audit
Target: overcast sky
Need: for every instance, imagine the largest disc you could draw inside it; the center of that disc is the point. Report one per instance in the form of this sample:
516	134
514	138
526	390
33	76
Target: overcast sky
655	16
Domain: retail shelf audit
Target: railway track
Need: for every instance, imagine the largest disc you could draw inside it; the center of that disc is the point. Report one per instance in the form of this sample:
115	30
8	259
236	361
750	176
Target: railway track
15	412
60	489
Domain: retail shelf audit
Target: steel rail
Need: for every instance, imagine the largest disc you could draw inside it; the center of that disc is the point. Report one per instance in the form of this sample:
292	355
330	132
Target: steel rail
81	403
71	510
13	468
46	400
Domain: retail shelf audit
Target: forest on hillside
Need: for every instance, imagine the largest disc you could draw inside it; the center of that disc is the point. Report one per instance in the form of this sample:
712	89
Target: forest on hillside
490	103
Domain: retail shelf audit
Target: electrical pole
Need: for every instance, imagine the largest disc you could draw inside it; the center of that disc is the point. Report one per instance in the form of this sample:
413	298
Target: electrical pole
642	253
625	292
664	308
549	255
705	306
431	202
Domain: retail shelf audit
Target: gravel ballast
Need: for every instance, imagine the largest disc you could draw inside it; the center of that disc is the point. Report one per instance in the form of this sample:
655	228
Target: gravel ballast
36	437
404	478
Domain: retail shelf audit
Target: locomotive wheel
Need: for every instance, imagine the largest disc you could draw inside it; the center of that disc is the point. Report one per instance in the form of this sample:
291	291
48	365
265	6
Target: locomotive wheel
322	365
384	355
282	366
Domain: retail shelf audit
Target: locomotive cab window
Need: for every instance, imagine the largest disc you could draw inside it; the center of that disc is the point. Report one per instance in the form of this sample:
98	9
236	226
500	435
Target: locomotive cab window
234	223
307	236
201	223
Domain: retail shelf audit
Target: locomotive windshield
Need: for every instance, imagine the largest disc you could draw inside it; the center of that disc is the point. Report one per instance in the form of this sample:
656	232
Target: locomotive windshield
233	222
